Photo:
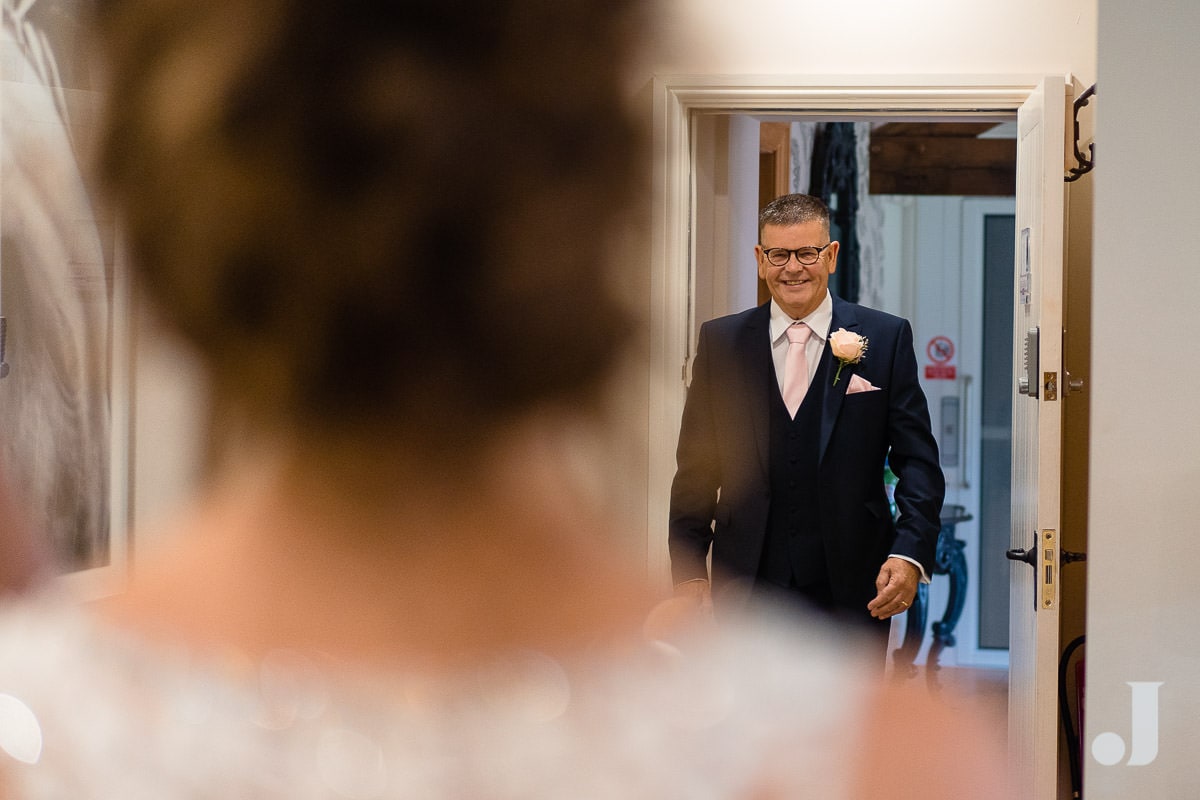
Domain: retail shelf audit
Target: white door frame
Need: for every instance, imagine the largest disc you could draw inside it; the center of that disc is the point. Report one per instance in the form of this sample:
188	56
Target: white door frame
677	98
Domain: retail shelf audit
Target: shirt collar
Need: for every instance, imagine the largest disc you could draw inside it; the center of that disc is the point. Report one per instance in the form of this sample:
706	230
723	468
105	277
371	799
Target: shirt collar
819	320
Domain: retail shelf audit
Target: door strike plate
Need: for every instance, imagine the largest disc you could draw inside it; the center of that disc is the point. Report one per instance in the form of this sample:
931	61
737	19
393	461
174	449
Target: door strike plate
1050	385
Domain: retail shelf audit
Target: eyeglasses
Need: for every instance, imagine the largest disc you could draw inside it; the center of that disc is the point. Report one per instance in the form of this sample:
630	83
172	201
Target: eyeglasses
779	256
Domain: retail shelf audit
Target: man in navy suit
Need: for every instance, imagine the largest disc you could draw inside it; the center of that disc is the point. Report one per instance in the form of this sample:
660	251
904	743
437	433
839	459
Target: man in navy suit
797	496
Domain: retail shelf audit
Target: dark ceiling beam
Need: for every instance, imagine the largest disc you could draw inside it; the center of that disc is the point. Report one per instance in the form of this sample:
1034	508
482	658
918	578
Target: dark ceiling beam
940	159
956	129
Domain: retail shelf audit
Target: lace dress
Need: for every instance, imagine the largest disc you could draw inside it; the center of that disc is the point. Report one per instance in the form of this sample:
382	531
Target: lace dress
87	711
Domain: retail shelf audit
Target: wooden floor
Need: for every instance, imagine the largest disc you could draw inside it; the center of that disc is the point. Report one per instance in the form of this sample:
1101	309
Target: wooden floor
981	686
990	686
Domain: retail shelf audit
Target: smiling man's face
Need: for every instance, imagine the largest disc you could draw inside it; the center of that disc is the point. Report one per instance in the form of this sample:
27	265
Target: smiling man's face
796	287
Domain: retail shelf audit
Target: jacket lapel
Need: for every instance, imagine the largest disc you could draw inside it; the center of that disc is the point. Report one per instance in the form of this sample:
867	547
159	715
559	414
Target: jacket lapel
844	316
754	347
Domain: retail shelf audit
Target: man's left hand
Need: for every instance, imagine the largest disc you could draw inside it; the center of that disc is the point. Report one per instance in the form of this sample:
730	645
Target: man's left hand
897	586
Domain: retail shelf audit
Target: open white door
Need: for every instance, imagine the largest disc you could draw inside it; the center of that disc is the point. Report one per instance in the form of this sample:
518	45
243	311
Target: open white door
1034	595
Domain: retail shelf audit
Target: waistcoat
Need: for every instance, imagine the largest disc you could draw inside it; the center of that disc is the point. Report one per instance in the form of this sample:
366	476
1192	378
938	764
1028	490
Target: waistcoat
793	553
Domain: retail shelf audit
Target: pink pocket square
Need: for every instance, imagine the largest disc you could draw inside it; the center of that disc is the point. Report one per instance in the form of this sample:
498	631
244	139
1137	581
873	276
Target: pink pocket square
860	384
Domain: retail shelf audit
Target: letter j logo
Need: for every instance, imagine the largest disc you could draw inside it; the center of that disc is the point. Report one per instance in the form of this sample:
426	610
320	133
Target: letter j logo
1109	748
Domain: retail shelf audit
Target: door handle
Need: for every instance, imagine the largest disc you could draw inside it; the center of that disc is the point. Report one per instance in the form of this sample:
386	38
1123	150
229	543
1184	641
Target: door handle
1042	558
1020	554
1030	556
965	470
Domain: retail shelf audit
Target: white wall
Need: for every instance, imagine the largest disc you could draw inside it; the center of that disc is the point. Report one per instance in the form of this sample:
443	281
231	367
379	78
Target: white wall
743	204
1145	380
882	37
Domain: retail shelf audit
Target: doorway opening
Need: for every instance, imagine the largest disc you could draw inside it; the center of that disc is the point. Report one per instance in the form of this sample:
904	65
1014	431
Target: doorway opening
678	296
925	213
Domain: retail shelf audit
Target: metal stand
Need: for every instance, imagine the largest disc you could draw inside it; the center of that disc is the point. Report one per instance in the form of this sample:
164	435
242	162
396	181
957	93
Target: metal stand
949	560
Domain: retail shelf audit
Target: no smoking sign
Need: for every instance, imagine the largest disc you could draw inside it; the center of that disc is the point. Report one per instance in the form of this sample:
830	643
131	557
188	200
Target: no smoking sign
940	351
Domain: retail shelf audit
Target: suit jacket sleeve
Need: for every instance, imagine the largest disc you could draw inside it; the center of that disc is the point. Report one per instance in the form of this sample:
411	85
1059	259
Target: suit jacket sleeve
920	487
697	480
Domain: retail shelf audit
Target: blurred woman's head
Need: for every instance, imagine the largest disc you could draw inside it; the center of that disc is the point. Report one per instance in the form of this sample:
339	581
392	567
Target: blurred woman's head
376	221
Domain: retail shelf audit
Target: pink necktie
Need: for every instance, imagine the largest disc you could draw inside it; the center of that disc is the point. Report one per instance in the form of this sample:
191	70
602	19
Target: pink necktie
795	368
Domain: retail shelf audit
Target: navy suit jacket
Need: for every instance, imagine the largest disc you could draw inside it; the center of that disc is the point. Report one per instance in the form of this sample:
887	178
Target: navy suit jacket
723	451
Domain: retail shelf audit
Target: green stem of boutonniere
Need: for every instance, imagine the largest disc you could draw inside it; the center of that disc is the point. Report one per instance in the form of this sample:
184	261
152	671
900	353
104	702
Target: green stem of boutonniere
838	374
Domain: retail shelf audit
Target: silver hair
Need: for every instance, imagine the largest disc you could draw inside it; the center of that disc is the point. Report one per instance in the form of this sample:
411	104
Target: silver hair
793	209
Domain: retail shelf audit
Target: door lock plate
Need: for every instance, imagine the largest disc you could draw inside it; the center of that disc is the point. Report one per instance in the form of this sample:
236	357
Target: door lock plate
1050	385
1049	571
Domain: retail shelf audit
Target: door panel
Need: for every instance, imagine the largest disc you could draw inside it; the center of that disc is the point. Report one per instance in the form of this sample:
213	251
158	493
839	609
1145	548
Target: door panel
1037	444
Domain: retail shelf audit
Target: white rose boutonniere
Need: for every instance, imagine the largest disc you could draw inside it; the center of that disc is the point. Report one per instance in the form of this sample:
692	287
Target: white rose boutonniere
848	348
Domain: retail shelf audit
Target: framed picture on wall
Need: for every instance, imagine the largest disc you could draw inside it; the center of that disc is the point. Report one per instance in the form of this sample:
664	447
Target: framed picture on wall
64	344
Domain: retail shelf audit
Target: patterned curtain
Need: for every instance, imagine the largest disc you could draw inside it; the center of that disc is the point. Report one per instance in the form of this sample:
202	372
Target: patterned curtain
835	180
